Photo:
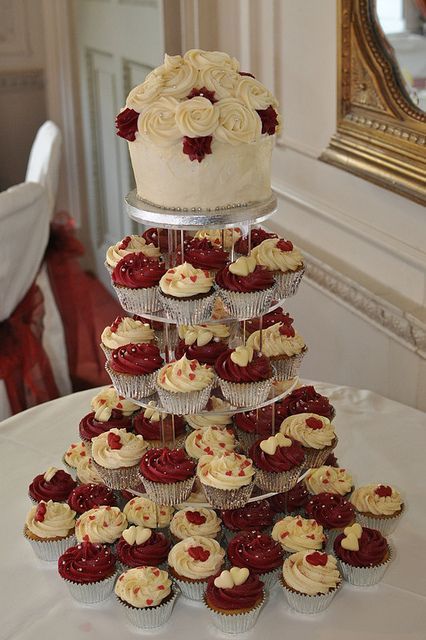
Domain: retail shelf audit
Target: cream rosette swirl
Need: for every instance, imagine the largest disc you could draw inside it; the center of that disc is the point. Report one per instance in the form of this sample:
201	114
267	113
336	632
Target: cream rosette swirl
127	331
295	533
219	80
129	454
75	453
216	236
178	77
211	419
273	343
143	587
184	376
310	579
57	521
197	117
102	525
202	334
316	437
268	255
86	472
130	244
189	522
237	123
158	121
211	441
379	500
182	560
107	400
184	281
254	94
145	93
225	471
142	511
328	479
200	60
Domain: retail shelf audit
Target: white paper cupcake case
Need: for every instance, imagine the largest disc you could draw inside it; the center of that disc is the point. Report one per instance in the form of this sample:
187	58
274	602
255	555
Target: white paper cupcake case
168	494
247	305
286	368
135	387
365	576
150	617
228	498
245	394
288	282
184	403
309	604
92	592
192	590
278	482
138	301
386	526
50	550
235	622
124	478
188	311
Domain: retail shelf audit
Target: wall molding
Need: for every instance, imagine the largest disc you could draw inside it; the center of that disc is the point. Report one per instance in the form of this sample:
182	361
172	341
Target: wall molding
28	79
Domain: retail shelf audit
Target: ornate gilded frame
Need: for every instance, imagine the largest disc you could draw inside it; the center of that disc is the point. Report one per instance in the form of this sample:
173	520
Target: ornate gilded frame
381	135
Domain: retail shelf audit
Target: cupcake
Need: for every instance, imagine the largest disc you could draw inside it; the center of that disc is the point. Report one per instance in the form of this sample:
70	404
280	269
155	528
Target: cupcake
159	429
157	237
331	511
253	516
89	571
203	254
284	261
283	346
128	245
269	319
259	553
133	369
306	400
190	522
295	533
204	343
210	417
290	502
184	386
143	511
109	410
251	425
363	555
315	433
378	506
125	330
73	456
234	600
54	484
142	546
278	462
327	479
49	528
246	288
257	235
191	563
167	475
86	472
146	595
196	497
89	496
244	376
135	280
116	455
187	294
210	441
225	238
101	525
227	479
310	581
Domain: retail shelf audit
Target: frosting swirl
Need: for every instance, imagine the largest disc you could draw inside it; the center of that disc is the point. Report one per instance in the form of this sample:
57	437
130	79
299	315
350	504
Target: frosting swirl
118	448
237	122
108	400
251	369
239	596
254	516
305	572
184	376
143	587
130	244
306	400
86	563
311	430
282	459
196	557
253	93
225	471
377	499
202	254
189	522
89	427
295	533
257	235
328	479
136	271
244	278
142	511
256	551
184	281
55	485
269	319
166	466
277	340
158	121
200	60
88	496
136	359
255	421
102	525
86	472
152	551
269	254
75	454
210	418
373	549
197	117
50	520
330	510
209	441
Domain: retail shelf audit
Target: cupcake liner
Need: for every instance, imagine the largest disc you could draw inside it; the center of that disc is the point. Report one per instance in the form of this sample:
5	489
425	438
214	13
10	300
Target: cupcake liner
365	576
168	493
161	337
244	306
246	439
245	394
385	525
107	351
228	498
270	578
288	282
92	592
123	478
150	617
193	590
184	403
317	457
188	311
138	301
304	603
50	550
134	387
286	368
235	622
108	267
279	482
331	535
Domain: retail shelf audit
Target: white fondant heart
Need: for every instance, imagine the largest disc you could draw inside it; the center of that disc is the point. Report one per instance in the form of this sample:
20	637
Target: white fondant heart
355	529
243	266
242	356
269	446
350	542
282	440
50	473
204	337
136	535
224	581
239	575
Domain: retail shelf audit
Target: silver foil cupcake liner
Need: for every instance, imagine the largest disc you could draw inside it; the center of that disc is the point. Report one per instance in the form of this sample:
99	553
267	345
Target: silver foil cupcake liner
244	306
245	394
193	590
228	498
134	387
107	351
304	603
365	576
288	282
108	267
331	535
286	368
138	301
386	526
316	457
270	578
92	592
150	617
278	482
168	493
123	478
184	403
50	550
235	622
188	311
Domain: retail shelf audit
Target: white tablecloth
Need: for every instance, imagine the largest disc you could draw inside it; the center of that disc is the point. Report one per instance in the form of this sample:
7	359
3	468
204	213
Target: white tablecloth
379	441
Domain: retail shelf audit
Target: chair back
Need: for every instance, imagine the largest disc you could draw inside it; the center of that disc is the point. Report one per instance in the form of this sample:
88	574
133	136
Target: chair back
44	161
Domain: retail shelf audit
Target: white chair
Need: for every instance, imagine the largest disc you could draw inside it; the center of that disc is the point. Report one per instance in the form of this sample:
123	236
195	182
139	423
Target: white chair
44	161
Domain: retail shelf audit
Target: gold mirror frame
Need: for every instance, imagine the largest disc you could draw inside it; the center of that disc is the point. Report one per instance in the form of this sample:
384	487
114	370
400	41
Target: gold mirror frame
381	134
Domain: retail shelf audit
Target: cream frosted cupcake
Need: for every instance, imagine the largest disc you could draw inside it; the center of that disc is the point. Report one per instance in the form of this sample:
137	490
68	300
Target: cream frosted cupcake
86	472
295	533
210	441
283	346
125	330
191	563
284	260
129	244
116	455
187	294
203	342
244	376
146	595
225	238
101	525
73	456
190	522
142	511
227	479
328	479
378	506
184	386
109	410
212	417
315	433
49	527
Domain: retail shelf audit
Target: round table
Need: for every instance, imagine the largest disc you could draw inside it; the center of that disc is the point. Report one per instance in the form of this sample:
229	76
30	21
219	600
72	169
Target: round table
379	441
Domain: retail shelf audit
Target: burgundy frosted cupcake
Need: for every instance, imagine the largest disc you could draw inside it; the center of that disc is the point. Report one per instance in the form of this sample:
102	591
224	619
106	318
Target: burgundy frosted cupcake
140	546
254	516
157	237
89	496
246	288
133	369
89	571
251	425
204	342
90	426
331	511
278	461
268	320
245	376
363	555
258	552
54	484
306	400
290	502
135	280
160	429
167	475
257	236
203	254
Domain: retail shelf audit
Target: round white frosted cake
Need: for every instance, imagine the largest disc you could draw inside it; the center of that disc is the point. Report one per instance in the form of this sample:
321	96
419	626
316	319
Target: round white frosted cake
200	133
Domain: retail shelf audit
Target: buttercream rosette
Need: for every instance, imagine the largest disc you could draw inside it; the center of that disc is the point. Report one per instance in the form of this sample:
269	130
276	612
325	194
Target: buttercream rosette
129	244
116	455
327	479
378	506
210	417
283	346
184	386
125	330
133	369
210	441
315	433
191	521
144	512
50	529
100	525
295	533
285	261
227	479
244	377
